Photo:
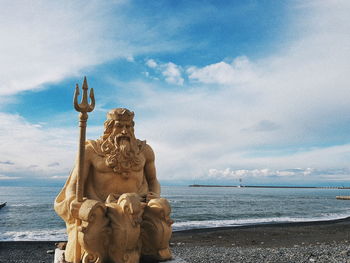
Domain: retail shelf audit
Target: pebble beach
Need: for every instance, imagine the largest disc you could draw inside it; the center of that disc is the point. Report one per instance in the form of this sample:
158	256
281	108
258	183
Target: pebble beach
322	241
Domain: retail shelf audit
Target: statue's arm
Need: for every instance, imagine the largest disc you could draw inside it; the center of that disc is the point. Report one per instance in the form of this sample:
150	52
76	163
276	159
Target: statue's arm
150	173
74	205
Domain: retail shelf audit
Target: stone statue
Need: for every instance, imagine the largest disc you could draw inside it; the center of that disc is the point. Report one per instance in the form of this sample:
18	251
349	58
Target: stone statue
120	213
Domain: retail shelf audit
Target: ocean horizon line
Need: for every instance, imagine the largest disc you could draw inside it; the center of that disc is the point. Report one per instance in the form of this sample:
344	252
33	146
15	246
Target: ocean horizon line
57	185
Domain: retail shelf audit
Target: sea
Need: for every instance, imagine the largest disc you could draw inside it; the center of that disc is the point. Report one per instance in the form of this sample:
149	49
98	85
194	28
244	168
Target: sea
29	213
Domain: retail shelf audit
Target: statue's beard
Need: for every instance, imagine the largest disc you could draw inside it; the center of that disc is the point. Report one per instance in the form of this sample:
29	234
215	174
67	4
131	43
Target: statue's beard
124	146
122	154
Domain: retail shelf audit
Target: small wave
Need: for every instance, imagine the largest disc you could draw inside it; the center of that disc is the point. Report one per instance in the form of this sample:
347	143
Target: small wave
60	234
35	235
28	205
179	226
19	205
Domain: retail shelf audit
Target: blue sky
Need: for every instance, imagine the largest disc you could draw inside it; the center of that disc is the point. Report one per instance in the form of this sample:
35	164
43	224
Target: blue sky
221	90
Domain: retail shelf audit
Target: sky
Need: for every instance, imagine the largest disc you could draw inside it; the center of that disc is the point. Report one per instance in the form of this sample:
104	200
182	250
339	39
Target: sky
221	90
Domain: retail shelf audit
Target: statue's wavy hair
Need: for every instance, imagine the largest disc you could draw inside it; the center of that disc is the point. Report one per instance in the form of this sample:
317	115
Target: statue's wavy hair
120	161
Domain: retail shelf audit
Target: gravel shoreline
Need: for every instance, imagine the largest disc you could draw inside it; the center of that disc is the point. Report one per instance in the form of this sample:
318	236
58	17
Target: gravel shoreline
324	241
325	253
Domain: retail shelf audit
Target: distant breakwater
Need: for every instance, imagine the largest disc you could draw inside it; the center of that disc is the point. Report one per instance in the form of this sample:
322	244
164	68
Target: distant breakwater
271	186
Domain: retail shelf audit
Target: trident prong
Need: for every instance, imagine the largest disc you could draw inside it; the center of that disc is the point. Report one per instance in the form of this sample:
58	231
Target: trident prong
84	106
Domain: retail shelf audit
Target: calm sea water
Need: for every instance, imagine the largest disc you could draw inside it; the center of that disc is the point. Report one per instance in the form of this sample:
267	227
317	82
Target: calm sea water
29	213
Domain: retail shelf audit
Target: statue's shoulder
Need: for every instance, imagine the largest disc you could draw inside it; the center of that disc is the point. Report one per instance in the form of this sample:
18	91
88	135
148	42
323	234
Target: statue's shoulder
93	147
148	151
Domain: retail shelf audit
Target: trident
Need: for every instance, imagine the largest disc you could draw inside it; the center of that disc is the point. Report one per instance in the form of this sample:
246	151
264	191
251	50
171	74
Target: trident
84	107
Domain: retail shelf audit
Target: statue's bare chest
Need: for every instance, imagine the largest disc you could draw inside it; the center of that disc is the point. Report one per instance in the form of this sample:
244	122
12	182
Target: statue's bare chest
107	181
100	167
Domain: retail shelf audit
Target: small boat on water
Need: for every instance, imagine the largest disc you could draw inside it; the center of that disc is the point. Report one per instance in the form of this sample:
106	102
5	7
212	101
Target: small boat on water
2	205
343	197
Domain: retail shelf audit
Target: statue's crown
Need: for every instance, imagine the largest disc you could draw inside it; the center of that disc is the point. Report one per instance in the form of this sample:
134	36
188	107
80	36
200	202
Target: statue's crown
120	114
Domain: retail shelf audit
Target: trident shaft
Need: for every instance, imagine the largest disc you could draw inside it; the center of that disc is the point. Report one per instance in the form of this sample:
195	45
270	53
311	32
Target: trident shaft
84	107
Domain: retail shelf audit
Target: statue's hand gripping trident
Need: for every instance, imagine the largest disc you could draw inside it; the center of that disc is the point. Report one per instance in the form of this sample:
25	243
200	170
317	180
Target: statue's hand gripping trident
84	107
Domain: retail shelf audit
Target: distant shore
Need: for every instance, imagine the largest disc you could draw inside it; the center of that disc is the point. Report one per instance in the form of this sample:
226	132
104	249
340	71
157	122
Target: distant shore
270	186
321	241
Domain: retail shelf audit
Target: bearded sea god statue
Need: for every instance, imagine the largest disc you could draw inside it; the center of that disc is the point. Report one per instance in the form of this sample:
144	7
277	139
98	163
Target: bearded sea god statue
122	217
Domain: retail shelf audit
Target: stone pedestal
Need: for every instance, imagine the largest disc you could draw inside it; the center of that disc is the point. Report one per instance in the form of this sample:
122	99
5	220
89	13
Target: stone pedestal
59	258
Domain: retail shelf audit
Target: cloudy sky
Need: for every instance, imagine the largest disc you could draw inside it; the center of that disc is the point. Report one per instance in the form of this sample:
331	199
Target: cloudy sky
222	90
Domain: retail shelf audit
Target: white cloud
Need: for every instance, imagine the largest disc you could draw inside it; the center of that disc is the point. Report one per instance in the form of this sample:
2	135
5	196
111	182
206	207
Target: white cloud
282	111
59	177
298	175
172	74
228	173
239	71
5	177
151	63
29	149
47	41
263	125
130	58
44	41
38	150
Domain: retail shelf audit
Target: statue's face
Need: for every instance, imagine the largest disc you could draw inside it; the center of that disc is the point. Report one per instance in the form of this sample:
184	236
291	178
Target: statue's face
120	146
123	130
